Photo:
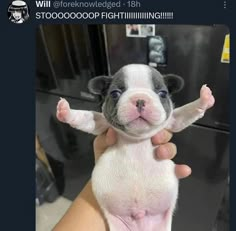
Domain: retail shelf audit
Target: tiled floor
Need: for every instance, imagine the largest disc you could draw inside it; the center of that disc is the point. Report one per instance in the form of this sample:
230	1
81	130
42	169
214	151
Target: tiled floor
48	214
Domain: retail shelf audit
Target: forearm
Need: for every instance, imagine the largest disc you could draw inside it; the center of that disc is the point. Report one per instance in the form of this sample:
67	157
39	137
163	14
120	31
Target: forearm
84	214
186	115
88	121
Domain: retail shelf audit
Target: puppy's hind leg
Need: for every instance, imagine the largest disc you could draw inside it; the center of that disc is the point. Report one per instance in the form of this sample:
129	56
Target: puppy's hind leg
167	221
159	222
117	223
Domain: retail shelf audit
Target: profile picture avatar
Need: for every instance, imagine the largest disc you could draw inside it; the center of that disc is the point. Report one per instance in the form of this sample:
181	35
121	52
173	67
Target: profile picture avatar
18	12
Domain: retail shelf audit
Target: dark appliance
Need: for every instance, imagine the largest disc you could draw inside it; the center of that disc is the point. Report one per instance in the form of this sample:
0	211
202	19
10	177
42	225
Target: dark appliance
46	189
67	57
193	52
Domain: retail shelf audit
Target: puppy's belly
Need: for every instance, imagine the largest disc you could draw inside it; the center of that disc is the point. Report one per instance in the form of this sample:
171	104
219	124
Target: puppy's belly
134	187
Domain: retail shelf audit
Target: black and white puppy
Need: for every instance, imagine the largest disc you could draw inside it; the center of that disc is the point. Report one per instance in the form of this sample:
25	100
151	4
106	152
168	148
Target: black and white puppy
135	191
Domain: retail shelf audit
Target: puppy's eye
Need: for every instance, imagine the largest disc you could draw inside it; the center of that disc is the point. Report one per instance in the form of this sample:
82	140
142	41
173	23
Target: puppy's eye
115	94
162	93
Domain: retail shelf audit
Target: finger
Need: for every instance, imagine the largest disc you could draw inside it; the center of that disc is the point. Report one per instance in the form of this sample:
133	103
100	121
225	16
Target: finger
182	171
99	144
111	137
166	151
103	141
161	137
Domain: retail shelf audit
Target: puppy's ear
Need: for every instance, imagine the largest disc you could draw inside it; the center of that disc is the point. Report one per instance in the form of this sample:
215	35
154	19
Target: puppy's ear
174	83
99	85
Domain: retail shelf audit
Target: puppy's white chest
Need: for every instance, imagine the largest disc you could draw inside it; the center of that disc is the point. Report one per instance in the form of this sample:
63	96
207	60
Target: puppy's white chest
128	178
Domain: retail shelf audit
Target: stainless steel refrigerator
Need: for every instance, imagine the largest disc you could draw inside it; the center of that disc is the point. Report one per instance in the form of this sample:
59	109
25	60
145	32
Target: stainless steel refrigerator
193	52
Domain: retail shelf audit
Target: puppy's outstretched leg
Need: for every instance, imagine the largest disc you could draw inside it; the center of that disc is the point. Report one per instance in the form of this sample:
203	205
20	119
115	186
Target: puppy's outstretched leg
184	116
87	121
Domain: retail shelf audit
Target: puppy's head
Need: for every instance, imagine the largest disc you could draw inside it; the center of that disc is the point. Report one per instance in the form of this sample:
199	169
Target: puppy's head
137	99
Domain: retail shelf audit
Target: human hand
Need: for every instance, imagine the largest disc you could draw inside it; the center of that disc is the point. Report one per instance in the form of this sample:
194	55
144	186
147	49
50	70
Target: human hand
168	150
165	149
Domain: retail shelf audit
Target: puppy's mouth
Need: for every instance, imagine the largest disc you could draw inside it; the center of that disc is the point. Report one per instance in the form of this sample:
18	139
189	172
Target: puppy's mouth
140	120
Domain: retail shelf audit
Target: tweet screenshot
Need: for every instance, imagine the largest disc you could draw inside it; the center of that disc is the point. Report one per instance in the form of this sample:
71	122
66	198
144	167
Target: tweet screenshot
117	115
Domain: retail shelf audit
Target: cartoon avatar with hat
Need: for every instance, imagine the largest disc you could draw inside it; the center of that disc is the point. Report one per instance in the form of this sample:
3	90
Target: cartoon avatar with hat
19	12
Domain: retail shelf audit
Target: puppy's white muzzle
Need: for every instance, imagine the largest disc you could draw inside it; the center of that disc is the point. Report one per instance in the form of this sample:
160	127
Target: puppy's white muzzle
140	109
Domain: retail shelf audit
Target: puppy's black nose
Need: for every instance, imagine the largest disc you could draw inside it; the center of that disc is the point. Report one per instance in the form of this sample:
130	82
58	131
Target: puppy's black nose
140	104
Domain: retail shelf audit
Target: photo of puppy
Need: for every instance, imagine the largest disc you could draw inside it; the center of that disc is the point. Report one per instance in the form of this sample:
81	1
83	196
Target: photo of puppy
134	189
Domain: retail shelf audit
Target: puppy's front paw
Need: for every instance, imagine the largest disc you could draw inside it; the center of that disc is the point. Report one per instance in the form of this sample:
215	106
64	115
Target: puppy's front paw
207	100
63	110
